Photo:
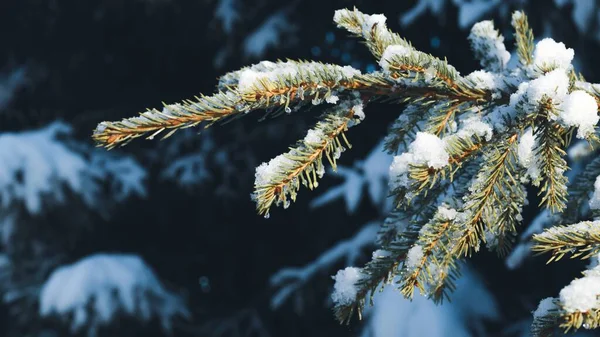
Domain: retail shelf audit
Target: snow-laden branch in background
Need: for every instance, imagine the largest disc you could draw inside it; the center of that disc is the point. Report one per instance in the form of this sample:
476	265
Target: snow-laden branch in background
10	83
371	174
464	316
39	164
269	34
227	12
289	280
97	289
190	169
469	11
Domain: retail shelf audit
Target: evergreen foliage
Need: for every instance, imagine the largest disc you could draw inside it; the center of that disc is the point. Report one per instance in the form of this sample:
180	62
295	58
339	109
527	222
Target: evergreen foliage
468	146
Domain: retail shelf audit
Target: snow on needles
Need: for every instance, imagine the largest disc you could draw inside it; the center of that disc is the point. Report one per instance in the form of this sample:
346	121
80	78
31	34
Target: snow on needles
391	52
344	289
549	54
96	289
488	46
580	110
426	149
545	306
595	199
250	78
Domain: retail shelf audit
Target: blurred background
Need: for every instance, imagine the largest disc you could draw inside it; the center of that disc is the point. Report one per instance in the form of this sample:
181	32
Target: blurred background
160	238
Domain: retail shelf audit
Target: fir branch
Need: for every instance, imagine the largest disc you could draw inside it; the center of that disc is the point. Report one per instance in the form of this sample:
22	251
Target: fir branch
523	38
552	139
280	87
404	129
546	318
370	27
280	179
580	240
504	229
488	194
425	270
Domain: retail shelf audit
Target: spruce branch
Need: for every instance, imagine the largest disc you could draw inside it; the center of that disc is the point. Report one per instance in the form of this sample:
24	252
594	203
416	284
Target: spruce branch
466	146
423	268
279	180
488	195
371	28
523	38
580	240
279	87
552	139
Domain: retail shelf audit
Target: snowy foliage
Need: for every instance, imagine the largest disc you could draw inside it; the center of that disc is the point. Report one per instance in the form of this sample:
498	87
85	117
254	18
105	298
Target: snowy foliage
269	34
344	289
464	316
290	280
10	83
39	164
466	147
370	174
97	289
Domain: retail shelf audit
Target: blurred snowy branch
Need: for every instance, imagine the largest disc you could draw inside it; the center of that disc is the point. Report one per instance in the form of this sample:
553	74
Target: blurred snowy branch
471	306
370	174
10	83
289	280
38	164
97	289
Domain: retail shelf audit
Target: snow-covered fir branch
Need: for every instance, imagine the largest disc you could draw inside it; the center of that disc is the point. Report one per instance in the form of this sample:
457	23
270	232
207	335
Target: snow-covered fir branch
466	149
97	289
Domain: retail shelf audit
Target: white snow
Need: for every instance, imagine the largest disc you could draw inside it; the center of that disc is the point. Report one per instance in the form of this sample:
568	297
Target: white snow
332	99
486	80
526	155
344	289
595	199
549	54
580	110
379	253
391	52
369	21
581	294
96	289
473	126
553	85
414	256
546	305
250	78
488	46
582	227
359	112
446	213
426	149
314	136
266	172
350	72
